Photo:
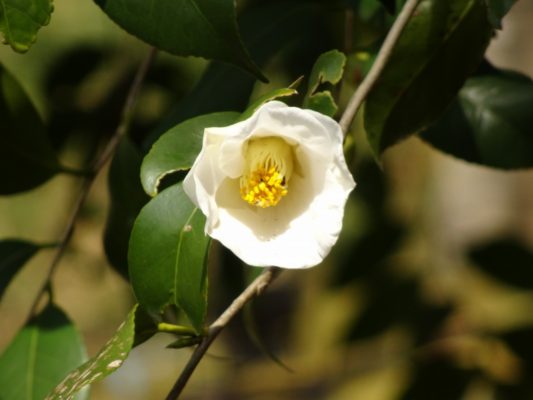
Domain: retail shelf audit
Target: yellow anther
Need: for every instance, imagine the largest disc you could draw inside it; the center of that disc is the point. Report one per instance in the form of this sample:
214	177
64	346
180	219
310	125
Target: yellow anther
268	168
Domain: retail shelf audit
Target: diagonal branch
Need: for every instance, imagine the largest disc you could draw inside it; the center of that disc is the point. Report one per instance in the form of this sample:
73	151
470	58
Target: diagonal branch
382	58
98	164
254	289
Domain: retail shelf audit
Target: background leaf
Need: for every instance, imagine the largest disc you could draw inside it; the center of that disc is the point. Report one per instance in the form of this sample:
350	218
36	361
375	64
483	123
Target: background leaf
204	28
177	149
162	252
497	10
489	123
27	158
441	45
40	356
13	255
21	19
108	360
506	260
127	199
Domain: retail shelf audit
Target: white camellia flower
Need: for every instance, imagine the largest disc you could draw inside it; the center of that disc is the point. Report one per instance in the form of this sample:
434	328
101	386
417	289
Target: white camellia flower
273	187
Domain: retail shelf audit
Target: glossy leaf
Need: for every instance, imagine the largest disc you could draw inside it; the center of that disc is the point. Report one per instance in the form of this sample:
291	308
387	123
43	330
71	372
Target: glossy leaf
177	149
40	356
108	360
441	45
323	102
204	28
328	68
273	95
497	10
127	199
167	255
506	260
490	122
27	158
20	20
13	255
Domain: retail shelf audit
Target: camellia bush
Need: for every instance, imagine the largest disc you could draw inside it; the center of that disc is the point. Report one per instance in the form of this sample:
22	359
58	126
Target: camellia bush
244	140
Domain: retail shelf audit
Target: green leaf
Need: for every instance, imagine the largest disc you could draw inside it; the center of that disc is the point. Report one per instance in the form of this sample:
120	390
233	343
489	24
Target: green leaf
13	255
167	255
441	45
329	68
20	20
204	28
127	199
490	122
41	354
507	260
275	94
27	158
322	102
108	360
177	148
497	10
191	270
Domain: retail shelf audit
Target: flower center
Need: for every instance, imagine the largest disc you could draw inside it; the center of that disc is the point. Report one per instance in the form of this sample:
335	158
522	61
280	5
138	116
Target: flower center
268	168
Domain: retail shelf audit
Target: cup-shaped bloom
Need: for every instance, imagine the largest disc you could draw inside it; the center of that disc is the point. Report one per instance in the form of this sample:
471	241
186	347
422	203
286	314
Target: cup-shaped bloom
273	187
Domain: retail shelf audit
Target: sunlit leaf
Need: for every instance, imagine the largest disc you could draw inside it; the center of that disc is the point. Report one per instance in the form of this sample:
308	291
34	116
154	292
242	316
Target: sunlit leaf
323	102
167	255
177	149
441	45
204	28
40	356
108	360
20	20
490	122
275	94
27	158
13	255
328	68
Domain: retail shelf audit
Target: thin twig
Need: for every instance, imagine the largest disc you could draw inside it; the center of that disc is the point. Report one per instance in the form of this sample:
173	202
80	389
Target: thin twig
377	68
254	289
97	166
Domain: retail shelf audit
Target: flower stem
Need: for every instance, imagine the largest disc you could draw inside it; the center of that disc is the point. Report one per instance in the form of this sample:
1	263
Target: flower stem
175	329
254	289
89	177
382	58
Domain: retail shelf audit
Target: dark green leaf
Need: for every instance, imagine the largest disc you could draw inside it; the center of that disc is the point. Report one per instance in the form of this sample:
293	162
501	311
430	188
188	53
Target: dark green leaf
13	255
390	5
109	359
506	260
329	68
191	270
204	28
275	94
167	255
186	341
323	103
497	10
21	19
40	356
27	158
441	45
177	149
490	122
127	199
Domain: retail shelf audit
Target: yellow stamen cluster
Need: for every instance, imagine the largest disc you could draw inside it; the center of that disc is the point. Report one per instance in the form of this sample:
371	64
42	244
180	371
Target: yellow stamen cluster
267	172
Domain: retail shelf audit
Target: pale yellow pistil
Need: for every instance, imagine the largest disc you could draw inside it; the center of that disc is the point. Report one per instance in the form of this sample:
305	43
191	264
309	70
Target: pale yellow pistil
268	168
